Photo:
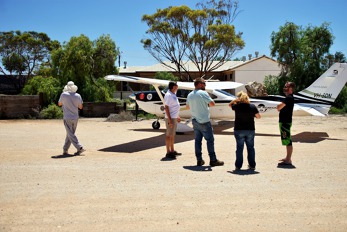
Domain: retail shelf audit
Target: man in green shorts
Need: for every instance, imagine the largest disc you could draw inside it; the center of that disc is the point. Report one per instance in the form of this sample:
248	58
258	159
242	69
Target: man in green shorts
285	109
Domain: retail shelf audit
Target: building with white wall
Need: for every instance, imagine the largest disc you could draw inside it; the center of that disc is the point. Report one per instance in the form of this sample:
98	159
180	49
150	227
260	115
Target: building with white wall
245	71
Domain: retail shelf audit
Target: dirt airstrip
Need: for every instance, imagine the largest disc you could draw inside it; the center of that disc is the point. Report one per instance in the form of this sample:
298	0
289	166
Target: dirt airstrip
122	182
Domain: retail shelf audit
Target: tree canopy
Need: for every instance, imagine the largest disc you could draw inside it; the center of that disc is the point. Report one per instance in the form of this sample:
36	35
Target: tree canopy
74	61
178	34
29	54
301	52
84	62
23	53
330	59
304	55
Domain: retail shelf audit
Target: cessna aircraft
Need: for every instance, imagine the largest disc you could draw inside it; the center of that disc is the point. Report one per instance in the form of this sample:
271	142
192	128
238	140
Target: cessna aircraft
315	100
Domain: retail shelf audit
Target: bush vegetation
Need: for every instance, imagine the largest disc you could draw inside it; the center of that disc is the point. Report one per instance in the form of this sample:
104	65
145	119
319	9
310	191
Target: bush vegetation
49	86
51	112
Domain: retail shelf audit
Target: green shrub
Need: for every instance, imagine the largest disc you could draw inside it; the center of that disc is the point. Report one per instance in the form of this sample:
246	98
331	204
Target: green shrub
118	101
271	84
341	100
51	112
99	90
146	116
334	110
165	76
49	86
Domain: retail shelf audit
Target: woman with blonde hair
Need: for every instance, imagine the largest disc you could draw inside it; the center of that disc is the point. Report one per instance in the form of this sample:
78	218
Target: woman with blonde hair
244	129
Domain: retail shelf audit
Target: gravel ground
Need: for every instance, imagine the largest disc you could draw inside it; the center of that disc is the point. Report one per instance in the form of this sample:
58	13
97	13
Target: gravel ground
123	183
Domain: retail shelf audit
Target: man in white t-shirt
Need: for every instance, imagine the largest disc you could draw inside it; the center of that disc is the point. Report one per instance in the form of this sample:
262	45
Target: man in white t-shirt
71	101
172	109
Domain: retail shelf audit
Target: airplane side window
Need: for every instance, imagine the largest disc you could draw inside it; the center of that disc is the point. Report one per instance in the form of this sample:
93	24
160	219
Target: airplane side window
212	96
185	93
182	93
164	90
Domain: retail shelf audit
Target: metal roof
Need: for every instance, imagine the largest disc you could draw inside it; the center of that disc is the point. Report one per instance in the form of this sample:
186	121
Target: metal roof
190	66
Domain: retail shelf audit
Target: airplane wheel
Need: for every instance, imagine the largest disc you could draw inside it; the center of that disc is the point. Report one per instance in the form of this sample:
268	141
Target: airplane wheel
156	125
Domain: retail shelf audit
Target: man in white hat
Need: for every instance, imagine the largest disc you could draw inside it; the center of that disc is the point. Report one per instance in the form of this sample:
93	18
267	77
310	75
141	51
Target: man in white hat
71	102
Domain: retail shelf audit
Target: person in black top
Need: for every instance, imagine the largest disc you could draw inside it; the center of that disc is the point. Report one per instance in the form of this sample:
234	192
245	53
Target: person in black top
285	109
244	129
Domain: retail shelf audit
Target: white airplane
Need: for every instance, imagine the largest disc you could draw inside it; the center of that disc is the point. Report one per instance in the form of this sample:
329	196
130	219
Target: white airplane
315	100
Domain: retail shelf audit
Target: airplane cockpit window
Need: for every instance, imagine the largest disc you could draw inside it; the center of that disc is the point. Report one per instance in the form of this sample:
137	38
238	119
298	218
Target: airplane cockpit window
182	93
212	95
226	93
164	90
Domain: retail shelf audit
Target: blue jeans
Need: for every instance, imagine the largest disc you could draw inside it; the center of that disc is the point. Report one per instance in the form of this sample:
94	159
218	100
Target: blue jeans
204	130
242	137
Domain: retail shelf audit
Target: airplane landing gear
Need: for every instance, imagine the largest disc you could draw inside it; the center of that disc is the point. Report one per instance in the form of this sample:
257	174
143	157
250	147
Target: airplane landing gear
156	125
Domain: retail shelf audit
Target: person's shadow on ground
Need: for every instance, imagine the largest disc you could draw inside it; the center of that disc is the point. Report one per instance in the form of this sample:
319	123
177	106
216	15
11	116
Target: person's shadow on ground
64	156
167	159
198	168
244	172
286	166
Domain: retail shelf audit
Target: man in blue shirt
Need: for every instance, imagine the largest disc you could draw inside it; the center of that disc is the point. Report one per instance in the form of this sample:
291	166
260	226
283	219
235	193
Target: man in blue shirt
71	101
198	101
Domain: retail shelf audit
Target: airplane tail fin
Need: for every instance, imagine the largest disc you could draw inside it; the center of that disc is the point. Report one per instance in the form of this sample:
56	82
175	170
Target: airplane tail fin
328	86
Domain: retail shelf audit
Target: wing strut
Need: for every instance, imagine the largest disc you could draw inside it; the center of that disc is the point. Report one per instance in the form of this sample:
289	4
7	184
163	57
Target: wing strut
156	124
159	93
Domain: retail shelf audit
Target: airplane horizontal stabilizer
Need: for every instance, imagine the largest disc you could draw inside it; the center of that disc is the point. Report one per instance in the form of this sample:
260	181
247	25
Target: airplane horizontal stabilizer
183	127
311	110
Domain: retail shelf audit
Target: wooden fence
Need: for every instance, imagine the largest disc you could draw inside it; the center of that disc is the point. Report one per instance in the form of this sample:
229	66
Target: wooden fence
20	106
100	109
29	106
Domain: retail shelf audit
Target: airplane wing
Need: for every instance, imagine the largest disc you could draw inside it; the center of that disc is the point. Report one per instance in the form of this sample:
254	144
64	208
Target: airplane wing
210	86
140	80
309	109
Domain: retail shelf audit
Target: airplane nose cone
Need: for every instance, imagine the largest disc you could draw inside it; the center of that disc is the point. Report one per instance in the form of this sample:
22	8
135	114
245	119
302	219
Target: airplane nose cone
132	96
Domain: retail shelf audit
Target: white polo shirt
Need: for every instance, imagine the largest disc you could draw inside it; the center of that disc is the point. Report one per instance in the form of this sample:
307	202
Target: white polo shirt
171	100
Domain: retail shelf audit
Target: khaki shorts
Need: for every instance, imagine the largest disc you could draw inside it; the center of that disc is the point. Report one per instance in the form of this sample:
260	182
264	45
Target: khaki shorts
171	131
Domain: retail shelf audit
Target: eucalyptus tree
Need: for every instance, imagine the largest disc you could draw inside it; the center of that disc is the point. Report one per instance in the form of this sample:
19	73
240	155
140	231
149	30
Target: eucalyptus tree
104	57
330	59
84	62
205	35
23	53
301	52
74	61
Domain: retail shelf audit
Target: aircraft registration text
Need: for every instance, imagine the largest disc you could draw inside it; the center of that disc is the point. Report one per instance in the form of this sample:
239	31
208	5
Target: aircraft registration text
323	95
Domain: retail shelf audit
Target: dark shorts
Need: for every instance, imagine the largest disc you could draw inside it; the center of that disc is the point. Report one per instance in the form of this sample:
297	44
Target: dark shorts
286	136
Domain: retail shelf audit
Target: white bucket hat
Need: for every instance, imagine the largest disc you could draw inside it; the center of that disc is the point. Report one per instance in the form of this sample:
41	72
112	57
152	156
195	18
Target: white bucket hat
70	87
